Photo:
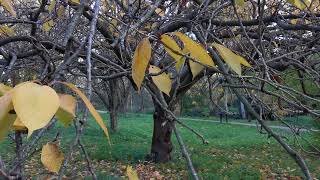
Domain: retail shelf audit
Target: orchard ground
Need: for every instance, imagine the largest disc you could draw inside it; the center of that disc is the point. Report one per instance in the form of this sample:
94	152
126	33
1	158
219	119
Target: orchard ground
233	152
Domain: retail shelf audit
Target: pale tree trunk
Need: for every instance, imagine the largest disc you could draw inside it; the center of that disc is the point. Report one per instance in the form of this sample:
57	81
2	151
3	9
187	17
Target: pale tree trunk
226	100
242	111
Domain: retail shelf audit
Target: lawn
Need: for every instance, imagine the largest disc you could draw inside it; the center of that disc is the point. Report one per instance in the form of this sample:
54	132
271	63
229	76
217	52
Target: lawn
234	152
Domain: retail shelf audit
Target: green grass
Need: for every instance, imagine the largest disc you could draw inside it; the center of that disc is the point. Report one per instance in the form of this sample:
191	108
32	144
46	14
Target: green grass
234	152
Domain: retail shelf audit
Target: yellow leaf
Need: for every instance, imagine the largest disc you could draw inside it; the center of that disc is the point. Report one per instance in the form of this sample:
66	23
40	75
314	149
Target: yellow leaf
48	25
160	12
35	105
196	51
173	50
113	27
140	62
7	5
19	126
6	31
77	2
66	111
294	21
239	2
4	89
52	6
132	174
61	11
90	107
232	59
6	120
301	4
162	81
52	157
195	68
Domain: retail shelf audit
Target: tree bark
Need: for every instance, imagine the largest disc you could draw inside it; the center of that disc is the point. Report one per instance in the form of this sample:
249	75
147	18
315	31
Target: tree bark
161	146
242	111
114	120
18	140
114	99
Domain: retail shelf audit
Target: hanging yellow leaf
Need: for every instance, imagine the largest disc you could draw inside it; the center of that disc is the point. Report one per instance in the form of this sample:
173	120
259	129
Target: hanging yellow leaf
35	105
76	2
48	25
90	107
66	111
132	174
232	59
113	27
294	21
160	12
52	6
4	89
314	7
7	5
195	68
173	50
239	2
61	10
52	157
196	51
125	3
6	31
19	126
6	120
162	81
140	61
301	4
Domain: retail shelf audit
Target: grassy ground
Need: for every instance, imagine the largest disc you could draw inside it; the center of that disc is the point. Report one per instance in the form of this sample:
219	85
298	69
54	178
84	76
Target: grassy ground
234	152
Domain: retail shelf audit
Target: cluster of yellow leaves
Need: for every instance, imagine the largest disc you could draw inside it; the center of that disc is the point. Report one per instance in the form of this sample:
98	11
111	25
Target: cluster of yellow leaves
76	2
239	2
198	59
232	59
49	22
301	4
30	106
7	5
140	63
6	31
52	6
48	25
199	55
34	105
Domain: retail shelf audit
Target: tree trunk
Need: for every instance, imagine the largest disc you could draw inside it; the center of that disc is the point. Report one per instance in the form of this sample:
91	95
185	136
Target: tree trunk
19	154
242	111
114	120
114	99
161	141
226	100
